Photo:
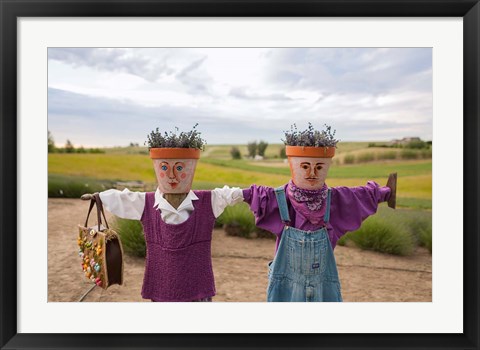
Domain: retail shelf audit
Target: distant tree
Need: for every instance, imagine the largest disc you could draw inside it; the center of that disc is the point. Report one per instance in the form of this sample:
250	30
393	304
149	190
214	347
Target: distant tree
235	152
261	147
283	152
417	144
51	143
69	147
81	150
252	149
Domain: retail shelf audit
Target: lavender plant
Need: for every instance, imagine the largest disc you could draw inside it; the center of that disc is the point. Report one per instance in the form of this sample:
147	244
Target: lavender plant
190	139
310	137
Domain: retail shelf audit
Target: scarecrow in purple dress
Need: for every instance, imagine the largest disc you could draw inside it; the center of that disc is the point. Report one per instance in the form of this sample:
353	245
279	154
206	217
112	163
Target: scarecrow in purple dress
177	222
308	218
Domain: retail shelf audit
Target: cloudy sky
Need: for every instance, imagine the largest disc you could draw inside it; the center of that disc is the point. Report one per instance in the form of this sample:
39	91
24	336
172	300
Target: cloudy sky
114	96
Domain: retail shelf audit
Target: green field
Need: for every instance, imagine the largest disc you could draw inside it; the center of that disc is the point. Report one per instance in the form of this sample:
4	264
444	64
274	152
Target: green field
216	168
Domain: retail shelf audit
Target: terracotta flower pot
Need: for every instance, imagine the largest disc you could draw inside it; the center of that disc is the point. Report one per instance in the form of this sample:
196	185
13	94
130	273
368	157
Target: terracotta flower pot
308	151
172	153
309	165
174	168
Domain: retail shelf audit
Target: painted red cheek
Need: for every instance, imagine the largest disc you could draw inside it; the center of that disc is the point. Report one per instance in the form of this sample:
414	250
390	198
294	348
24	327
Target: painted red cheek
183	176
162	175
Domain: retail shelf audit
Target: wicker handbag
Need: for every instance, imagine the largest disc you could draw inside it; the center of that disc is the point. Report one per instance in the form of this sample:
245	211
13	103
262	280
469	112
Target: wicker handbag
100	250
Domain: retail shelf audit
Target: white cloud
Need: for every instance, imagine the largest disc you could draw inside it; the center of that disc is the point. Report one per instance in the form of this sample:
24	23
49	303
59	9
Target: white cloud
116	60
238	93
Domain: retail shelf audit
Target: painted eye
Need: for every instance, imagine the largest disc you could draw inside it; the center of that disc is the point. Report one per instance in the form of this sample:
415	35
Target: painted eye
305	167
164	167
179	168
319	167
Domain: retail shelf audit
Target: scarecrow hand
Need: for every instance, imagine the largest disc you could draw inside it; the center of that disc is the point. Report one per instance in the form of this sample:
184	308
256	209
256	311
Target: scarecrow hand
392	184
88	196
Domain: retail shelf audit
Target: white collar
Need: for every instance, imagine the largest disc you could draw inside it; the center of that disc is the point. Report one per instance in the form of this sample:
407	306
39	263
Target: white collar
162	204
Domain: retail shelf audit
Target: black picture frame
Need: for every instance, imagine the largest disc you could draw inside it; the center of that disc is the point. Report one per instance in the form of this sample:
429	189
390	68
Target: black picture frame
11	10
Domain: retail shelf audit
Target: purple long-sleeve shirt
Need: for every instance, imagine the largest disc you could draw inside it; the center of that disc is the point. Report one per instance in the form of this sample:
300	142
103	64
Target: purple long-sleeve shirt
349	206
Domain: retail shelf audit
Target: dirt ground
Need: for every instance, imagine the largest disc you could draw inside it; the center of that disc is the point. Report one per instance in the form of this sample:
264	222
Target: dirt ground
240	267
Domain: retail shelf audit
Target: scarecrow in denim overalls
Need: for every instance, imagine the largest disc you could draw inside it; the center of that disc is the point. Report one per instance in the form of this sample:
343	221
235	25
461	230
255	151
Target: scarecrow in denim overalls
308	218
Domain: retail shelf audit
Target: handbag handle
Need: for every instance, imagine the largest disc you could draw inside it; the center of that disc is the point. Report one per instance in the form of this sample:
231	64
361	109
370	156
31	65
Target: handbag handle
95	200
100	209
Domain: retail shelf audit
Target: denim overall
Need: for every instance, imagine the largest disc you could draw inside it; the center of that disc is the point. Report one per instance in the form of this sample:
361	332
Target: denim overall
304	267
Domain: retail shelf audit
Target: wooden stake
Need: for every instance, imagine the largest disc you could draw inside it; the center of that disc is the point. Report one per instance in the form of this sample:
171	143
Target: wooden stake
392	183
175	199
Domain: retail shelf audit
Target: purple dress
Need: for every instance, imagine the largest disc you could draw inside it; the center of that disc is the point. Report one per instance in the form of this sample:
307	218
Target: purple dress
178	265
349	207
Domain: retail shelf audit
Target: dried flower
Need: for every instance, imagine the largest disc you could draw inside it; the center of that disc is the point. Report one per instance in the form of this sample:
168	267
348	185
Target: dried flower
310	137
190	139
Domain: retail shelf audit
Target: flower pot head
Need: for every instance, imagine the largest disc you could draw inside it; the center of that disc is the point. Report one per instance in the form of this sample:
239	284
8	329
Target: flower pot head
174	168
309	165
175	158
310	154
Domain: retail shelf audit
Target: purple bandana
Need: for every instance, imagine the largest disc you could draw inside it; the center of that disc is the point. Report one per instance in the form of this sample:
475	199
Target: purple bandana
307	202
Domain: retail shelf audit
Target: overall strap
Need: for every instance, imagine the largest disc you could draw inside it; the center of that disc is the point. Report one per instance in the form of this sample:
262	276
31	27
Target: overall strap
327	211
282	204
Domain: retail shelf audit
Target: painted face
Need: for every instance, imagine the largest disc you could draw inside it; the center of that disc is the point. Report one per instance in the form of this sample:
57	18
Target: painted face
309	173
174	175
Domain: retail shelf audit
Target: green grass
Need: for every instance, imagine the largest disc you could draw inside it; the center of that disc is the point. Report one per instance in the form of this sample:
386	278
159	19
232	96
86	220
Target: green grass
115	167
395	232
406	168
414	203
238	220
380	235
126	150
345	147
389	155
139	167
420	225
131	235
366	157
60	186
380	169
349	159
425	238
389	231
68	173
227	175
207	185
241	164
426	153
409	154
223	151
417	188
273	150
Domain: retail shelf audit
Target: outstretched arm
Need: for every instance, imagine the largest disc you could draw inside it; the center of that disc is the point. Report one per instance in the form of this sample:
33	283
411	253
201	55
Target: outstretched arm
223	197
351	205
263	204
124	204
